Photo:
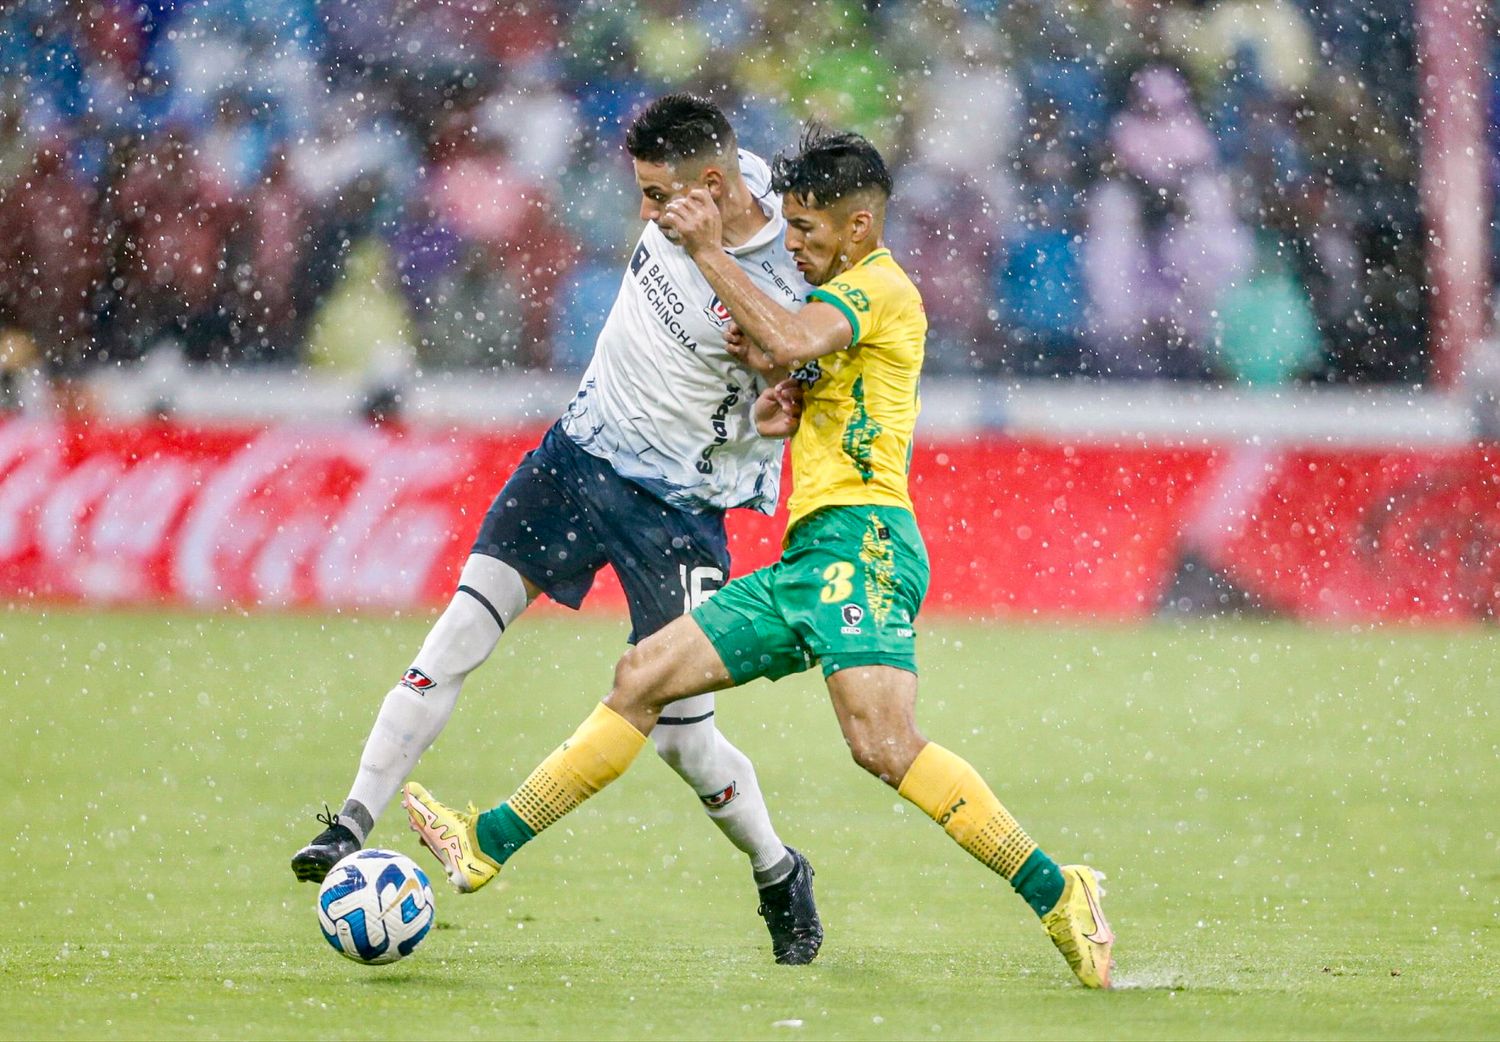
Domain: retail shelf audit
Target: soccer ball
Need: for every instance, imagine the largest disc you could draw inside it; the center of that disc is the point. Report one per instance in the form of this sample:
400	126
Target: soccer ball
375	906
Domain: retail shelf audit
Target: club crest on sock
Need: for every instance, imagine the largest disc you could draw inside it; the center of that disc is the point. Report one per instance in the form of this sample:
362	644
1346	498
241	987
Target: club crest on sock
417	680
722	798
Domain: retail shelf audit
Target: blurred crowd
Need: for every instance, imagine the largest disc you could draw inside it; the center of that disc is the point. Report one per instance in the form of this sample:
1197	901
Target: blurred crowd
1216	190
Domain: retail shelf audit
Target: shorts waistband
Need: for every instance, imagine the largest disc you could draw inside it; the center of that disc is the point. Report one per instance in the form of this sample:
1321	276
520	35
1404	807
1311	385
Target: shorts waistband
834	522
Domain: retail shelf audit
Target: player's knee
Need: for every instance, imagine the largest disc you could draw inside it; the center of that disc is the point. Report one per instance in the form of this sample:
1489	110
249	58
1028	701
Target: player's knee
886	756
633	681
868	753
503	592
461	639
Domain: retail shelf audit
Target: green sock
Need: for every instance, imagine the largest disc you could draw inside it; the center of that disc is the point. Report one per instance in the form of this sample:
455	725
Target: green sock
501	833
1039	882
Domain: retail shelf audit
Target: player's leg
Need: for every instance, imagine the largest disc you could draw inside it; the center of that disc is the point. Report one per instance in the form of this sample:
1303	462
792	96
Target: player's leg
671	561
732	639
528	542
875	707
724	780
860	577
668	560
674	663
490	595
689	741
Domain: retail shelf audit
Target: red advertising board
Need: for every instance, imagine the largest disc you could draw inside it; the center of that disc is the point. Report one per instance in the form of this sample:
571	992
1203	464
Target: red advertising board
1373	535
324	516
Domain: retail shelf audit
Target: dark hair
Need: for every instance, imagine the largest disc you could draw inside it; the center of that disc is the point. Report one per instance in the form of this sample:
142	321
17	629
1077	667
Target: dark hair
675	127
828	166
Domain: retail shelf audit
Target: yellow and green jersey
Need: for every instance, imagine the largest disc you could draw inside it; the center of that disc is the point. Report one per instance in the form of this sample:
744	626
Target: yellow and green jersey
860	405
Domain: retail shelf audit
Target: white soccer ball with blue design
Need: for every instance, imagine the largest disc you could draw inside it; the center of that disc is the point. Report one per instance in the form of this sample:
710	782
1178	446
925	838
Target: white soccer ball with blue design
375	906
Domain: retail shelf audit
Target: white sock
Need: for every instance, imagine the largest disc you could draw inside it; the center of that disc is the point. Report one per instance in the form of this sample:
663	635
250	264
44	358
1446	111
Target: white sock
724	780
490	596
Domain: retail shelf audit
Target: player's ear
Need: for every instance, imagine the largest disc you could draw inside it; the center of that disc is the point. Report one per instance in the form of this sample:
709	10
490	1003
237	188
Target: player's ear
861	224
713	180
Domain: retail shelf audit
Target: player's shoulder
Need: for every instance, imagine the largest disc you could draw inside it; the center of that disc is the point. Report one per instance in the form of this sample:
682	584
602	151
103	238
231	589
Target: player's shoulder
874	295
875	277
757	178
882	269
757	175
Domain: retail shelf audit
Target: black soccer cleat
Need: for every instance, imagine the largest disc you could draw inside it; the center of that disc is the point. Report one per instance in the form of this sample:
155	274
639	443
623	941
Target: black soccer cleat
313	862
791	915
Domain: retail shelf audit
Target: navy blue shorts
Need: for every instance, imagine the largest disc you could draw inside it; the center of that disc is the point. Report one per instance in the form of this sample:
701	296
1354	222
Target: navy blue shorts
564	514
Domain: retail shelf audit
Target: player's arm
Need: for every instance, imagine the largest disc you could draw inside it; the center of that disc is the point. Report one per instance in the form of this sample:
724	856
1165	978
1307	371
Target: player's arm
788	338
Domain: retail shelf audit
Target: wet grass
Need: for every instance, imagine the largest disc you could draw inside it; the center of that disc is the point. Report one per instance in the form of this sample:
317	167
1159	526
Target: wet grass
1298	825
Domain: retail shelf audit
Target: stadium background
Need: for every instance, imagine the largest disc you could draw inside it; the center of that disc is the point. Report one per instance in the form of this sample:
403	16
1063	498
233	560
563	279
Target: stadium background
286	288
197	483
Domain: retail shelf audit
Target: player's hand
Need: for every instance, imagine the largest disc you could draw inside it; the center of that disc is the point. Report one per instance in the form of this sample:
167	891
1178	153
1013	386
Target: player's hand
735	340
740	345
778	410
692	221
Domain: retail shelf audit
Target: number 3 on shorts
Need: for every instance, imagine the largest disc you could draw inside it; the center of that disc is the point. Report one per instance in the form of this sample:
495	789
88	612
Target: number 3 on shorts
837	587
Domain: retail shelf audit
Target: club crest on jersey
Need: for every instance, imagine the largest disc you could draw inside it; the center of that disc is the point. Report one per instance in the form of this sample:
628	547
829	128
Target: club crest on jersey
717	312
721	798
418	681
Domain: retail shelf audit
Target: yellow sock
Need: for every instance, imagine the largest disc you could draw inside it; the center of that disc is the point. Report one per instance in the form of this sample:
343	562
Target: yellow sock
953	794
599	752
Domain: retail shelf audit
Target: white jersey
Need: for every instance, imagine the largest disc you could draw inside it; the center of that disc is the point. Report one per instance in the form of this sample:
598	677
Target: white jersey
662	401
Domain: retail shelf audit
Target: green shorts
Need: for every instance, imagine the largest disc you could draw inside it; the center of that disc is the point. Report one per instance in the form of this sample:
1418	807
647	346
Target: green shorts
845	593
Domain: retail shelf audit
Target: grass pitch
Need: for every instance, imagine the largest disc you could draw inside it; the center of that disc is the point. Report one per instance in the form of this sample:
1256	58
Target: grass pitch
1299	827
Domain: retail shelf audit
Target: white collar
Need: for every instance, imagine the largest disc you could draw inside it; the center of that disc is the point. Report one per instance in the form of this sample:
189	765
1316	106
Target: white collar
770	205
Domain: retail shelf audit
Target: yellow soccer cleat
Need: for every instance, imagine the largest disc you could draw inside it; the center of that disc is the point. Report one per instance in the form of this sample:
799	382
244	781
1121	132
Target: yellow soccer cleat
449	834
1078	928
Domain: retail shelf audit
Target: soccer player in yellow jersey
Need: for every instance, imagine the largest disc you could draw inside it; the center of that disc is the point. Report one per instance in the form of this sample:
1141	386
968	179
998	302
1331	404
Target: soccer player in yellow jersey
853	573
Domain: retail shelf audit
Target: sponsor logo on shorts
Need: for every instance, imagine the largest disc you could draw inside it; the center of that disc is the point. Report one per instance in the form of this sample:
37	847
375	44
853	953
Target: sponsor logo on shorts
418	681
721	798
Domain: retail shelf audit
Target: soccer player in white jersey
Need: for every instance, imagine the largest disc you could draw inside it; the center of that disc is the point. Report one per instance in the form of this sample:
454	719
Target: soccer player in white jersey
658	443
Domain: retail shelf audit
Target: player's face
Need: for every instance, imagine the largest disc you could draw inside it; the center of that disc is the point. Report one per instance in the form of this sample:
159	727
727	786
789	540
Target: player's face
660	183
815	239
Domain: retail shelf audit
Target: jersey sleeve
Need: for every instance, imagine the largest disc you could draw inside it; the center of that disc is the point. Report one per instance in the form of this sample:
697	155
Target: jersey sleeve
860	295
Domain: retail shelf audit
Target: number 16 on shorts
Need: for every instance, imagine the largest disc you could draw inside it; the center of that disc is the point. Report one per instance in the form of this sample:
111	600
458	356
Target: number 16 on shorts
698	584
